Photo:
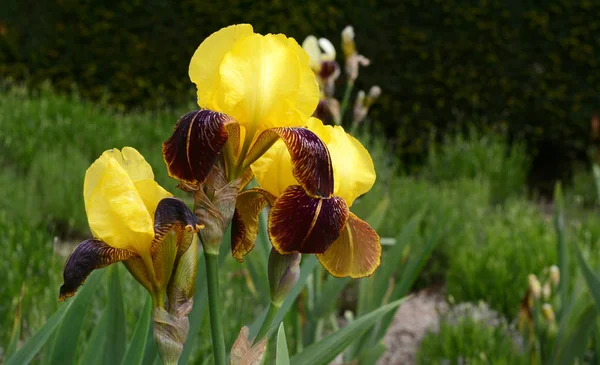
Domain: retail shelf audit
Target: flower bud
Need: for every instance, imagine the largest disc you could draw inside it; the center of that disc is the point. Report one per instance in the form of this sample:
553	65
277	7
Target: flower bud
548	313
284	272
554	275
547	290
534	286
374	94
348	41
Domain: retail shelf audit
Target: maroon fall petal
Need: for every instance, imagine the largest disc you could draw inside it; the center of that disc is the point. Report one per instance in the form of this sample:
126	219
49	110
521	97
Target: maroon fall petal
88	255
301	223
198	139
310	158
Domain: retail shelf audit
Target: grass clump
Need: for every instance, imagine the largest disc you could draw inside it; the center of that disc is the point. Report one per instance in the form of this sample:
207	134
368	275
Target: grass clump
474	338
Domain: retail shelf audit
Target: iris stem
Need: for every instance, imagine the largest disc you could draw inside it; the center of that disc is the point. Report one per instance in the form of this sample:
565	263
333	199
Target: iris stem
266	325
214	307
345	101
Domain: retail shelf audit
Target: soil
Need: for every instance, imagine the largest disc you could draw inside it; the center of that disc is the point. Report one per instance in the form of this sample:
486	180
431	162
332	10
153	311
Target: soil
419	314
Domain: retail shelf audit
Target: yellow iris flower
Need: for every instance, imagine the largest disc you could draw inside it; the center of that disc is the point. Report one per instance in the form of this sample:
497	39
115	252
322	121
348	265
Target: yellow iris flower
130	217
259	81
256	90
357	250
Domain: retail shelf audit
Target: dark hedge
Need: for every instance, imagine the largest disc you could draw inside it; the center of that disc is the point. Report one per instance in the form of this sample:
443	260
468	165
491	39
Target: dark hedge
531	67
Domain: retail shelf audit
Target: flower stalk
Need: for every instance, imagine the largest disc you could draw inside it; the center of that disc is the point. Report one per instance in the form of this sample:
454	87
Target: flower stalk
214	307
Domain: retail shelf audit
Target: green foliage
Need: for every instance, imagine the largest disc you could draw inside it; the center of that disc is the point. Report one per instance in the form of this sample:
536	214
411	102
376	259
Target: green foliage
495	253
50	140
489	157
471	341
27	259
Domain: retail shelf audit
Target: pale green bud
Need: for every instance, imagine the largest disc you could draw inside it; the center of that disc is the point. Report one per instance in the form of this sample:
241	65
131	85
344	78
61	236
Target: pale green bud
284	272
554	275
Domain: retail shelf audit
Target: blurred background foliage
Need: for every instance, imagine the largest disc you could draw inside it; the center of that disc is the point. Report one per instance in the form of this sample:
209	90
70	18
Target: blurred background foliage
528	68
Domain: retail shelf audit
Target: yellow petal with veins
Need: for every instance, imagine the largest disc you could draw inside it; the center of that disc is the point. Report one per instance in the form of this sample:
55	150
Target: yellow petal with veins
204	66
353	169
265	83
120	197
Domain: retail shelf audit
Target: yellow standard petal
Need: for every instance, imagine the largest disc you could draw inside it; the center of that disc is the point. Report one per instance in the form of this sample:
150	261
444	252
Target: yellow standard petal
265	83
116	212
273	170
353	169
205	63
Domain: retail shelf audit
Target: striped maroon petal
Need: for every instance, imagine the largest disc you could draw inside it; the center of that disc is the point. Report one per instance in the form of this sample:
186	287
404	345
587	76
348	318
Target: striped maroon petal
301	223
310	158
88	255
198	139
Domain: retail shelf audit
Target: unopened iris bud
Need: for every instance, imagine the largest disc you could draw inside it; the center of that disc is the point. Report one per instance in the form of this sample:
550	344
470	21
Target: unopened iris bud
547	291
548	313
535	286
374	94
554	275
348	44
284	271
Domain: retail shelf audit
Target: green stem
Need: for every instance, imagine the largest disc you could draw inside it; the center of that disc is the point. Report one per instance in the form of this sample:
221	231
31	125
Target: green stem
214	306
345	101
266	325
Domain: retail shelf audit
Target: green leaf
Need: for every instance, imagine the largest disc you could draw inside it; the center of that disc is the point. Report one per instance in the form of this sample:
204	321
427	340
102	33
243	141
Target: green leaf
282	356
115	342
137	346
378	215
27	352
391	259
96	342
370	356
67	336
16	331
333	286
324	351
308	265
574	342
591	279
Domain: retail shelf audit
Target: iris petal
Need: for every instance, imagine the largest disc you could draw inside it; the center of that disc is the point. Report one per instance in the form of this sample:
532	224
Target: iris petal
204	66
261	78
305	160
88	255
116	212
173	215
301	223
353	169
244	227
193	148
356	253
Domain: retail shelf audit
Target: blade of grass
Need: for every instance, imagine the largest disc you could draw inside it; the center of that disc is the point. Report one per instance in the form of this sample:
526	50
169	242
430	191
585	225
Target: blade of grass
31	348
593	282
97	341
137	345
68	333
282	356
16	331
324	351
115	342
